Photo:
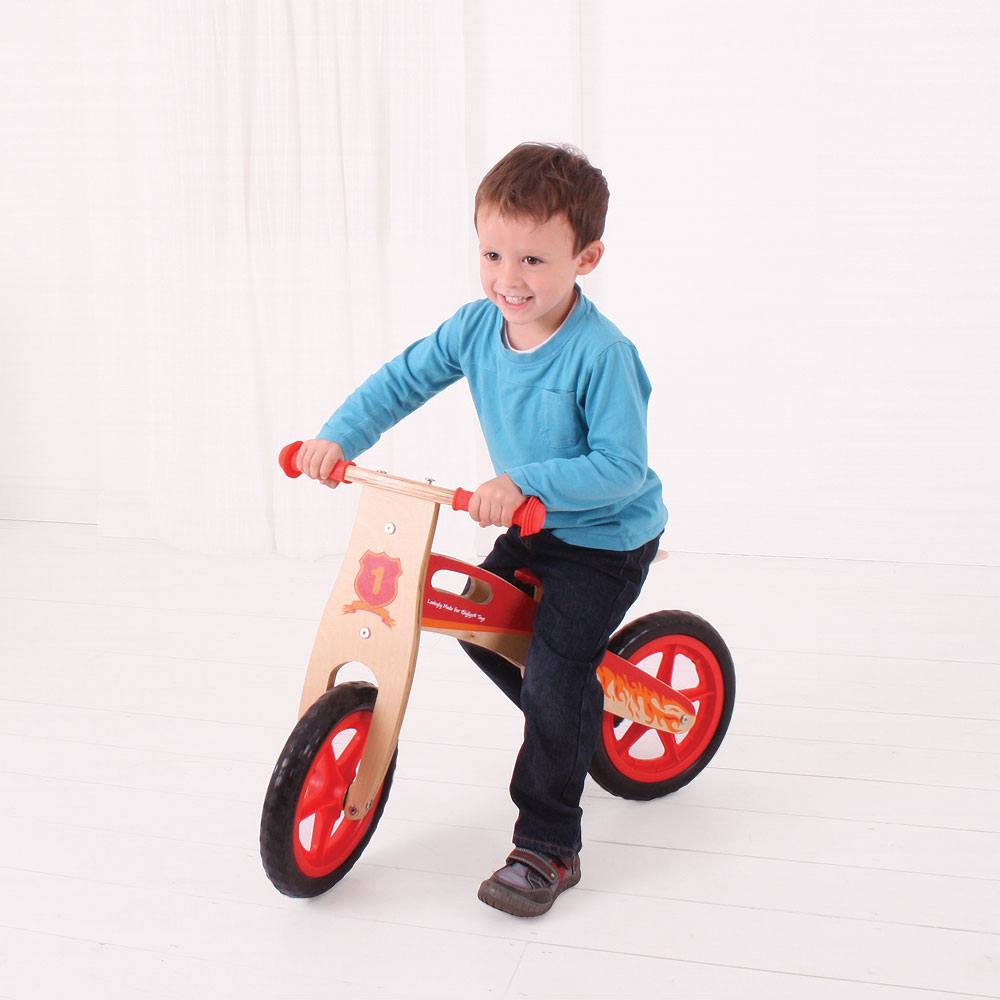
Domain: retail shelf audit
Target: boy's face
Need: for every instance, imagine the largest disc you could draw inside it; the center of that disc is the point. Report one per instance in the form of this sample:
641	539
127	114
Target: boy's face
529	270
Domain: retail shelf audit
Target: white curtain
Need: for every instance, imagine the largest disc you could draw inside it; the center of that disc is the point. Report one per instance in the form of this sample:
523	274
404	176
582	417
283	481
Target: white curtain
276	144
220	216
295	183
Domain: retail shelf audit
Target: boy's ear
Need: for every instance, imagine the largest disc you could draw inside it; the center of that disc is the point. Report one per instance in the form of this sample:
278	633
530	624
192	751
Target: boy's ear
589	257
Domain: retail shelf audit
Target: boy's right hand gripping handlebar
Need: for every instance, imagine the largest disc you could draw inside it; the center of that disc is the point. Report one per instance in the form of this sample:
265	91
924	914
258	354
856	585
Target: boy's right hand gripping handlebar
529	517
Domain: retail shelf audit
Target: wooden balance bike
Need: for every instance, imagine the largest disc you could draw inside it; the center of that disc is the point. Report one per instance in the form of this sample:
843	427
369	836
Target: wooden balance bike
668	680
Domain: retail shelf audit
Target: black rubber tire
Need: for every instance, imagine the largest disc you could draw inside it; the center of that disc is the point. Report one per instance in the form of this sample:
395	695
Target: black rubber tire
624	643
277	822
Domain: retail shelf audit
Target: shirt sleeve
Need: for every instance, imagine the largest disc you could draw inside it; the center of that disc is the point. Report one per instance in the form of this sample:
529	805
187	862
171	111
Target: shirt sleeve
615	400
397	389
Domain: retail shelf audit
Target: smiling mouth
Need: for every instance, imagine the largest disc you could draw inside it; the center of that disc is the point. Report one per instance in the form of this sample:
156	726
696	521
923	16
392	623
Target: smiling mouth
515	300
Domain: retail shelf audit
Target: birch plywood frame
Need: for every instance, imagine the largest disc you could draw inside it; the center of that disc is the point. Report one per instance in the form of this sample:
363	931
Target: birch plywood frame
360	624
497	616
513	647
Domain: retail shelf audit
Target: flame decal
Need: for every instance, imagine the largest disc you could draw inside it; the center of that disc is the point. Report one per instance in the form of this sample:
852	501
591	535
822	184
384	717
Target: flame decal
643	705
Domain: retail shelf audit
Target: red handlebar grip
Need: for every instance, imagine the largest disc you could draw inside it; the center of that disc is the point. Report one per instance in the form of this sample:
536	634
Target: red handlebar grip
287	460
529	517
339	472
461	499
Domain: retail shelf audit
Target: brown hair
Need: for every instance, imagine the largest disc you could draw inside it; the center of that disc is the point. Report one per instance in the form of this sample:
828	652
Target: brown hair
540	180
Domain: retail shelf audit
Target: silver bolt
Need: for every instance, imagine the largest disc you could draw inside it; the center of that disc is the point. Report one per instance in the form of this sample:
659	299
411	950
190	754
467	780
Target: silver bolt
390	528
365	633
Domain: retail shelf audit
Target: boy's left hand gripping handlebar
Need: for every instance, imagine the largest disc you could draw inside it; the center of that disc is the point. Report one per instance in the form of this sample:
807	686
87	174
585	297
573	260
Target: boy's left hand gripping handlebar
529	517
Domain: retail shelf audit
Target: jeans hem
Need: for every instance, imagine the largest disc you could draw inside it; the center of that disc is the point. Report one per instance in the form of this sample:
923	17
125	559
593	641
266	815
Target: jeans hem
547	847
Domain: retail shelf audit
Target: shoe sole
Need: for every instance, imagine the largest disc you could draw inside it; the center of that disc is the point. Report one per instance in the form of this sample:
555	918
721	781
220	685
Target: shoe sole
512	902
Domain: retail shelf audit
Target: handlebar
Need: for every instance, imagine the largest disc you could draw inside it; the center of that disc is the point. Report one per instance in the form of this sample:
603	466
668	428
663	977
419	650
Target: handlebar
529	517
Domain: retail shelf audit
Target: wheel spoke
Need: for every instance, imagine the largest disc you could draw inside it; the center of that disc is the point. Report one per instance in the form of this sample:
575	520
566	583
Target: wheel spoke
700	693
323	824
631	736
324	778
350	757
669	744
665	671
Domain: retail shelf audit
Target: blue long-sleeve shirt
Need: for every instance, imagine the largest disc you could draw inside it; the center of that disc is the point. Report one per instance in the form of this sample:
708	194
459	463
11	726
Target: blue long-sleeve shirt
566	422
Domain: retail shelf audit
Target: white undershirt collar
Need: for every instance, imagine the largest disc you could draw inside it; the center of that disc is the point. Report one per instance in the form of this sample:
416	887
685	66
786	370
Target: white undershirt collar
531	350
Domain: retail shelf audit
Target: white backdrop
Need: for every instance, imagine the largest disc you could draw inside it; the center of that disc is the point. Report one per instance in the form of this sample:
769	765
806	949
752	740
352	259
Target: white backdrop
219	217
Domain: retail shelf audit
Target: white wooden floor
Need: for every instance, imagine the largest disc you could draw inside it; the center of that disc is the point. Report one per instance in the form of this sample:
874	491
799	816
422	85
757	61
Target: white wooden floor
845	843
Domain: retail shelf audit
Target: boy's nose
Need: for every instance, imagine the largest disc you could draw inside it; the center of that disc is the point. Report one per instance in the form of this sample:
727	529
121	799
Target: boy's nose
509	278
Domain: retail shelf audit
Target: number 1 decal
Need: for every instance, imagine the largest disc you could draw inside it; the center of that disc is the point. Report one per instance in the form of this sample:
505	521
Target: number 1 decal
376	569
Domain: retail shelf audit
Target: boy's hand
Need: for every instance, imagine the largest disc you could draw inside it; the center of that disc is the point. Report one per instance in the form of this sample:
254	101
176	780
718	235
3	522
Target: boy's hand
317	458
495	502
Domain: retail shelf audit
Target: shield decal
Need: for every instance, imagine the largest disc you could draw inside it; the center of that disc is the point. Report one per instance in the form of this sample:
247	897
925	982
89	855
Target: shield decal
377	584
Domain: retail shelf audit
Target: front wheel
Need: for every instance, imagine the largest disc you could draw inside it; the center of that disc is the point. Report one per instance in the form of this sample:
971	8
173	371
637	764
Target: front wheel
684	651
307	844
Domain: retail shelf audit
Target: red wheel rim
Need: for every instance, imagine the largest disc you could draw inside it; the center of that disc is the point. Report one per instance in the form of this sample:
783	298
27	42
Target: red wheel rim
664	755
322	837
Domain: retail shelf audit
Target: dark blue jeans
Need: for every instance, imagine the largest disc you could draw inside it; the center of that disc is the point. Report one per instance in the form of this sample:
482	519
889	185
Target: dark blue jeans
586	594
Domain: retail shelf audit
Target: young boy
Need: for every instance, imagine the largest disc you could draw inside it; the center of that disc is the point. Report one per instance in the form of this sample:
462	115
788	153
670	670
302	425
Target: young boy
561	396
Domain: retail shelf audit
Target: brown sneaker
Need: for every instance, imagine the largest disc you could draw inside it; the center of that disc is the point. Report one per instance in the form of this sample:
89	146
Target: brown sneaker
528	884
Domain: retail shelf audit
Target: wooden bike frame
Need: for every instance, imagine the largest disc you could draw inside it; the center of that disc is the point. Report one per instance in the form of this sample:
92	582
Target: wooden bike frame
389	588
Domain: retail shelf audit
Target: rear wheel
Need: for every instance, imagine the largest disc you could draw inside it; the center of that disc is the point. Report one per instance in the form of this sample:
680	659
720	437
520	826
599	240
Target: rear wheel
684	651
307	843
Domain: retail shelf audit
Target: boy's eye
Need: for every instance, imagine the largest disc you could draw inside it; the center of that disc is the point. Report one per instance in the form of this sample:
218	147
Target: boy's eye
492	255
